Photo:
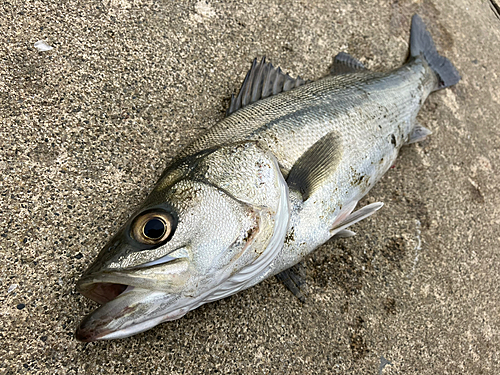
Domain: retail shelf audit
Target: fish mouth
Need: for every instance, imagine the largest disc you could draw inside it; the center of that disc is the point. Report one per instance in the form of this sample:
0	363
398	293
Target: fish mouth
103	292
103	287
130	303
95	326
132	300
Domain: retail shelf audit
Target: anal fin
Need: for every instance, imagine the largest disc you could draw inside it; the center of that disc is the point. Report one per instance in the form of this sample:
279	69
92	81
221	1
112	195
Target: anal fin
419	133
344	233
294	278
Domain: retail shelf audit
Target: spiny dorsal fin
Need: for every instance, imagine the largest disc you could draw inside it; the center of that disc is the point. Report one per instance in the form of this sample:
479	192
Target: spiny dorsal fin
261	81
315	165
344	63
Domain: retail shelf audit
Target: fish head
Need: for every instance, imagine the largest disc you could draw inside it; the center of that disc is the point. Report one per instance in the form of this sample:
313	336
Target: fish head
203	233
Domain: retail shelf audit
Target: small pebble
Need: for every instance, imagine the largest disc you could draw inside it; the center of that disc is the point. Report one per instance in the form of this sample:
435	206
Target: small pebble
42	46
12	288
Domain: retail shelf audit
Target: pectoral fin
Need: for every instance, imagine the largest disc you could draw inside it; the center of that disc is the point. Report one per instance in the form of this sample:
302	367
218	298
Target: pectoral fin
315	165
294	278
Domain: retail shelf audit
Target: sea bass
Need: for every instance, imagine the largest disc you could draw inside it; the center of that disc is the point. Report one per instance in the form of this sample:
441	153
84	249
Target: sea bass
279	176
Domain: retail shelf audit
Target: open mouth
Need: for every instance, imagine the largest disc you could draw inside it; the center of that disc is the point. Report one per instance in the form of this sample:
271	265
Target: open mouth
119	303
103	292
125	311
132	301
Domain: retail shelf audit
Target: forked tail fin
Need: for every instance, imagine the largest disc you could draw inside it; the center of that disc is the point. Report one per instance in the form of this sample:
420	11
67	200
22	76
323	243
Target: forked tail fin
421	44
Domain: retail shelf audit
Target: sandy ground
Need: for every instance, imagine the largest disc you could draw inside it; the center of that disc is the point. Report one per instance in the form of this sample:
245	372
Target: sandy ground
87	127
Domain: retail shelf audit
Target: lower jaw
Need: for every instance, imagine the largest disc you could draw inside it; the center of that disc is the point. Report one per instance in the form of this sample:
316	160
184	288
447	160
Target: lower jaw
133	311
131	331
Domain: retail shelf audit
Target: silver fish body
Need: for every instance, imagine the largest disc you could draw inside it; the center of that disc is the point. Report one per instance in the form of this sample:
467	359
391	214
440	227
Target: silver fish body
260	190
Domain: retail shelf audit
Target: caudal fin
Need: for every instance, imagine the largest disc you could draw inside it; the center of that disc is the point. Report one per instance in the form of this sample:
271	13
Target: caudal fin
421	44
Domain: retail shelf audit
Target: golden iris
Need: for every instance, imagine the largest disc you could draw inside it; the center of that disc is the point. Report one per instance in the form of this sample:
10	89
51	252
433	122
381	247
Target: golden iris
152	228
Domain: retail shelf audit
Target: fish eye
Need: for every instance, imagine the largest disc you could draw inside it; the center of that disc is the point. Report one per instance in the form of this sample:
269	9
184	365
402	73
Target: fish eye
152	228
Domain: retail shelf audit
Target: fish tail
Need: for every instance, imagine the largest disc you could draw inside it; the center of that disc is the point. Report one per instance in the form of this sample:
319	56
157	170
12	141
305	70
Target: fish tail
421	44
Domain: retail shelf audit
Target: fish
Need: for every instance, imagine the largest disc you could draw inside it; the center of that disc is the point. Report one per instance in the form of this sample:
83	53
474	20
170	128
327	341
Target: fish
250	198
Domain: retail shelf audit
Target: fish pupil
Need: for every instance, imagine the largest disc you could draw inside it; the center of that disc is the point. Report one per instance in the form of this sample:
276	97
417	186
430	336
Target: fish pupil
154	228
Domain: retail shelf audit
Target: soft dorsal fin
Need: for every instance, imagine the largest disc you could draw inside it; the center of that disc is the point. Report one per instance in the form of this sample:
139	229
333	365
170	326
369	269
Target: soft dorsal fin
261	81
316	164
344	63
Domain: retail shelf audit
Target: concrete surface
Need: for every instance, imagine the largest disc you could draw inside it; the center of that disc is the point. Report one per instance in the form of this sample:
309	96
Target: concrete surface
87	127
